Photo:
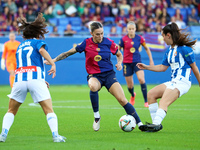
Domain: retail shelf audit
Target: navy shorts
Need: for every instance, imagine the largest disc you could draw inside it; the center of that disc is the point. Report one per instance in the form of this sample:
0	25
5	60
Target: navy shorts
106	78
129	69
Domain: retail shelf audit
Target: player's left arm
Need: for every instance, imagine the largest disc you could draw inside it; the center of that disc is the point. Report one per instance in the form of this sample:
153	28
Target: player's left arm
148	53
119	60
65	54
195	71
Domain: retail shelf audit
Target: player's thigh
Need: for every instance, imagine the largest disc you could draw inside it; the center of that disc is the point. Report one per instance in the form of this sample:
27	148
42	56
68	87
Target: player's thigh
117	91
19	91
94	84
13	106
140	76
38	90
46	106
156	93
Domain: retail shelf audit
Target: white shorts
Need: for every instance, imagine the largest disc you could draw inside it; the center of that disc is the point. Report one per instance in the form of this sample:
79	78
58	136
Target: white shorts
37	88
181	84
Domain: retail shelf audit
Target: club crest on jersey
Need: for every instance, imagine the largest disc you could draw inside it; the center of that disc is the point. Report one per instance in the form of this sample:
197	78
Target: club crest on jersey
97	58
98	49
132	50
175	53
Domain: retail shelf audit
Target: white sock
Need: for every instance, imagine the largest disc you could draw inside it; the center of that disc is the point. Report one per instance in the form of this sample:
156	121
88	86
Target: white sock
160	115
139	124
153	109
52	122
96	114
8	120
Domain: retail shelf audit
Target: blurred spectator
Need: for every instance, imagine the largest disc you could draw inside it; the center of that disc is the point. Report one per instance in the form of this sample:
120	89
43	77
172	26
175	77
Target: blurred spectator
149	11
161	4
179	22
140	25
55	32
193	18
30	16
138	5
158	28
85	17
105	10
70	8
132	16
124	31
121	20
177	3
163	22
178	15
150	23
125	7
68	31
157	15
47	15
12	6
56	10
81	8
165	14
114	9
113	31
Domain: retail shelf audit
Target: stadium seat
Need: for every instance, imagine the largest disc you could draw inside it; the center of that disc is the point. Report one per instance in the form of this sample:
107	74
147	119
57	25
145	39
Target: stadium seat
195	29
63	21
77	28
112	19
184	14
61	29
119	30
75	21
171	11
53	21
50	29
106	30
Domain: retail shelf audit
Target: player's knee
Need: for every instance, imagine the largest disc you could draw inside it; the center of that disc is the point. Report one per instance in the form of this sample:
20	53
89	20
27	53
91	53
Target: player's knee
151	96
141	81
93	88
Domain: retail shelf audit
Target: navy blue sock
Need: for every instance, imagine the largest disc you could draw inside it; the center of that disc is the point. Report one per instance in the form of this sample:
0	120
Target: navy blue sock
144	91
94	97
131	90
130	110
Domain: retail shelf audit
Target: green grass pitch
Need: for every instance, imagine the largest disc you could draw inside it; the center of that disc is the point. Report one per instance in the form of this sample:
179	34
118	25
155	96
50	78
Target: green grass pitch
30	131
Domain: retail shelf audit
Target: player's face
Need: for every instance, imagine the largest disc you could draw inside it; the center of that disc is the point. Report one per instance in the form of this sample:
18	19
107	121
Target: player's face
97	35
167	38
12	36
131	29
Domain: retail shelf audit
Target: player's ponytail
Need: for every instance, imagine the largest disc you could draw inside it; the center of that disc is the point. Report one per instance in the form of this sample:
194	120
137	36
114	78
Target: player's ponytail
35	29
179	38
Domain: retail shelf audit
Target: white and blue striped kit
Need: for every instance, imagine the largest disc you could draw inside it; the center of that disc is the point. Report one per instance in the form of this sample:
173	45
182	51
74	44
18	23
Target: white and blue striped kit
29	61
179	58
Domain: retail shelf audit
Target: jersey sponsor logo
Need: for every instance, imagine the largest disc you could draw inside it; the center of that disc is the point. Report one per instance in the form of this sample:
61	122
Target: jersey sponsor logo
26	69
98	49
97	58
189	54
132	43
132	50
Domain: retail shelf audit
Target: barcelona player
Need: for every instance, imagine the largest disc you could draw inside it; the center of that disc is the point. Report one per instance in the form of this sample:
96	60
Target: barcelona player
9	56
130	44
98	50
180	57
30	76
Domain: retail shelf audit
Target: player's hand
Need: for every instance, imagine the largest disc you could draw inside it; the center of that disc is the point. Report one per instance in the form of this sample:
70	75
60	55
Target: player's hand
141	66
52	71
47	83
3	66
118	66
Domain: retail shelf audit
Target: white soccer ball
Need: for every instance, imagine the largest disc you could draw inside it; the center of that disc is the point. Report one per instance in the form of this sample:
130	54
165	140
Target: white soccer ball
127	123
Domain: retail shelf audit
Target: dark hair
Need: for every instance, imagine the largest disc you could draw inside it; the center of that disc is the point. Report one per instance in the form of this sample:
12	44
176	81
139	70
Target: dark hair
95	25
35	29
179	38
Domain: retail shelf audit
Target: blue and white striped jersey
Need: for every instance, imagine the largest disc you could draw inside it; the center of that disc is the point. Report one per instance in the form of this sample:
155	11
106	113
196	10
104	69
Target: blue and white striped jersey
29	61
179	58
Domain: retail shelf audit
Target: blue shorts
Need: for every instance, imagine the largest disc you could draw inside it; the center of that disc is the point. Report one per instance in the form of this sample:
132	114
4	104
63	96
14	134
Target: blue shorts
129	69
106	78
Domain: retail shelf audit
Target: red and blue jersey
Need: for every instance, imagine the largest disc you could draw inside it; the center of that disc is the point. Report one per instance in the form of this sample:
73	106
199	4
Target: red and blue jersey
29	61
131	48
98	54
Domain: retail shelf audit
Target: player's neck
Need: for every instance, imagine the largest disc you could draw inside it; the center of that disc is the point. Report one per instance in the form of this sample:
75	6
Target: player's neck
131	35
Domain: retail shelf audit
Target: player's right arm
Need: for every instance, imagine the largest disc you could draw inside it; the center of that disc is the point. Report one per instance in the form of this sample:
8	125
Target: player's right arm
156	68
65	54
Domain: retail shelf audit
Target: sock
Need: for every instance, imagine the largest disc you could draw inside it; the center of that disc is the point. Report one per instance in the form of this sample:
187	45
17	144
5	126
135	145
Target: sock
130	110
96	114
94	97
53	123
131	90
144	91
8	120
12	79
153	109
160	115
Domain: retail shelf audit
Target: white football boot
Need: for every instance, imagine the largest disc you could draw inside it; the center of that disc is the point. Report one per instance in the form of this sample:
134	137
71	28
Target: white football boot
59	138
3	137
96	124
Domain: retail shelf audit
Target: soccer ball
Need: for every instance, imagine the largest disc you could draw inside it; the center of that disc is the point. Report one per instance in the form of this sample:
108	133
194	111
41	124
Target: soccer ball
127	123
